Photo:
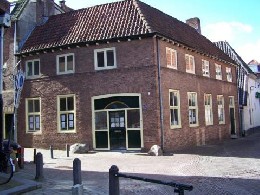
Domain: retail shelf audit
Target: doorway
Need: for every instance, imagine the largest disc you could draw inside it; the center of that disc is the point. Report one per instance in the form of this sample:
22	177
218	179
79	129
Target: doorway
117	130
8	125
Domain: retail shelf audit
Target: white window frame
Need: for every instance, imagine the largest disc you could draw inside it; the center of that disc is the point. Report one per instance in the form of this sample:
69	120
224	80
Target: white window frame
66	65
190	62
193	107
221	109
173	56
229	74
33	114
205	68
176	93
67	113
218	72
105	58
208	109
33	67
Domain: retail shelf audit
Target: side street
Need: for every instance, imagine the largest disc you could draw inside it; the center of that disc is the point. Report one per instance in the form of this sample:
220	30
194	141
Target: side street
232	167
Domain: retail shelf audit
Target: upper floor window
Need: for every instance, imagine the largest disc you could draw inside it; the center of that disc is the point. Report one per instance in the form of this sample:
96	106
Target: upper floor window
33	114
65	64
193	109
205	68
208	109
175	117
218	72
66	113
105	58
190	63
221	111
229	74
33	68
171	58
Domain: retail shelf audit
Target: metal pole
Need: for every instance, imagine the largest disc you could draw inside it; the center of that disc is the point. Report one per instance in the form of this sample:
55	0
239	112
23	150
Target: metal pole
1	87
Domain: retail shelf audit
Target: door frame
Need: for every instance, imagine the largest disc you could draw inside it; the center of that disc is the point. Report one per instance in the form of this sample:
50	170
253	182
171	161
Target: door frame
231	105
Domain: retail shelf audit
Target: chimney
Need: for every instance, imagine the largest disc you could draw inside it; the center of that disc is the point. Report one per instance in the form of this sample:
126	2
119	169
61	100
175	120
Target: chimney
194	23
62	3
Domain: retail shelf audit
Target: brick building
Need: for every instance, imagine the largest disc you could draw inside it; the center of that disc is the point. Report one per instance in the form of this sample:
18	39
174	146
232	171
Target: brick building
124	75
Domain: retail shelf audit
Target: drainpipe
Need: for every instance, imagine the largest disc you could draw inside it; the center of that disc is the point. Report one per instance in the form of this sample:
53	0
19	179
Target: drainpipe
14	72
160	93
1	85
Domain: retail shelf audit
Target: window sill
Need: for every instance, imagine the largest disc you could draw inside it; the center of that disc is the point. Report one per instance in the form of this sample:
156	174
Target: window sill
66	131
34	132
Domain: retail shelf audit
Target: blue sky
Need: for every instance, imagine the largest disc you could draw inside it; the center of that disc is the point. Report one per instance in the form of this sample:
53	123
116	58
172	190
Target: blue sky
236	21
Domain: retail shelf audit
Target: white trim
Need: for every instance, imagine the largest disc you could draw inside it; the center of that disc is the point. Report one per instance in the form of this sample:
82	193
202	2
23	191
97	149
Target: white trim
173	52
205	68
66	68
59	130
175	107
105	58
193	107
33	76
218	71
208	108
190	60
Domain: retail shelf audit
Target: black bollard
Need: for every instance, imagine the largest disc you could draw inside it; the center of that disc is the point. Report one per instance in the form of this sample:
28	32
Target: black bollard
68	150
39	167
51	150
113	180
34	155
77	171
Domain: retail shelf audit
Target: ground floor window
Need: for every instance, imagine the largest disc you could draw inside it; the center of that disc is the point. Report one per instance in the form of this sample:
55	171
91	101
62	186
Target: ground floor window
66	113
208	109
117	122
221	111
33	115
193	109
175	117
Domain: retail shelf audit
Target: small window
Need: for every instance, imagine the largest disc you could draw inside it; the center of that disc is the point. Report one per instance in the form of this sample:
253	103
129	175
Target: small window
33	113
190	63
193	109
229	74
218	72
171	58
208	109
32	68
66	113
65	64
105	58
205	68
221	111
175	117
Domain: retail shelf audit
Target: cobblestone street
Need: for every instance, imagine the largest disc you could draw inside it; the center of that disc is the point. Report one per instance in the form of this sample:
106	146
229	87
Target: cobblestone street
232	167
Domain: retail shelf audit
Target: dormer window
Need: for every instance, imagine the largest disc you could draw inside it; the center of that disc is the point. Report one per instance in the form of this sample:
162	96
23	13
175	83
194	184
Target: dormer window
32	68
105	58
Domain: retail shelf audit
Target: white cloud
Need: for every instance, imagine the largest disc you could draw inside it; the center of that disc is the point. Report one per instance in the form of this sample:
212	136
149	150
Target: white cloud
249	51
225	30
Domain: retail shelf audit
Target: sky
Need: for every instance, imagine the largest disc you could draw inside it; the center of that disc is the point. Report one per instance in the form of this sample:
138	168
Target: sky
234	21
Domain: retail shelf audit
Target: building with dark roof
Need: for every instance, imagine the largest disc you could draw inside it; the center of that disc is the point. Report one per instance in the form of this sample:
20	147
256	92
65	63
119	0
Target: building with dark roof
124	76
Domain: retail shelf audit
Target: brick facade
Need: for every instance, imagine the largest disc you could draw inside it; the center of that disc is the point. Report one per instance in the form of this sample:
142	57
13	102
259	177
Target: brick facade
136	72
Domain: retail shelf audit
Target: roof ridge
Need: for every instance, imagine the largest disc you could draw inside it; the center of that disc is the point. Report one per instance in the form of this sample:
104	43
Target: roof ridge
142	16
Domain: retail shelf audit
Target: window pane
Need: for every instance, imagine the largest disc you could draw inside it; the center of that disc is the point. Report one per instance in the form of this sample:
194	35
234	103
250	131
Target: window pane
71	121
171	98
101	139
69	62
63	121
36	106
37	122
133	119
62	64
110	58
174	117
36	68
31	122
63	104
29	67
192	116
70	102
30	105
134	139
100	59
168	57
100	120
175	100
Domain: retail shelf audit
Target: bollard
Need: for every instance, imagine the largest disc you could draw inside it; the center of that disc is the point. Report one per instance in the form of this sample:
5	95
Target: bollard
77	171
113	180
34	155
20	152
68	150
39	167
51	150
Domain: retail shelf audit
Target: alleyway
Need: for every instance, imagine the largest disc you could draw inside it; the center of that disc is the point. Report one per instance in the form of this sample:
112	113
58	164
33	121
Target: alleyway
230	168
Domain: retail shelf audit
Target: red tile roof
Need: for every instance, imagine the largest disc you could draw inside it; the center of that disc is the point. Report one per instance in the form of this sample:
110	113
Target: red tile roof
116	20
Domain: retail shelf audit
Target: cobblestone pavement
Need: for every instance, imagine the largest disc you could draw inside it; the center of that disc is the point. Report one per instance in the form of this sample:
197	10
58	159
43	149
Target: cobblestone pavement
232	167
